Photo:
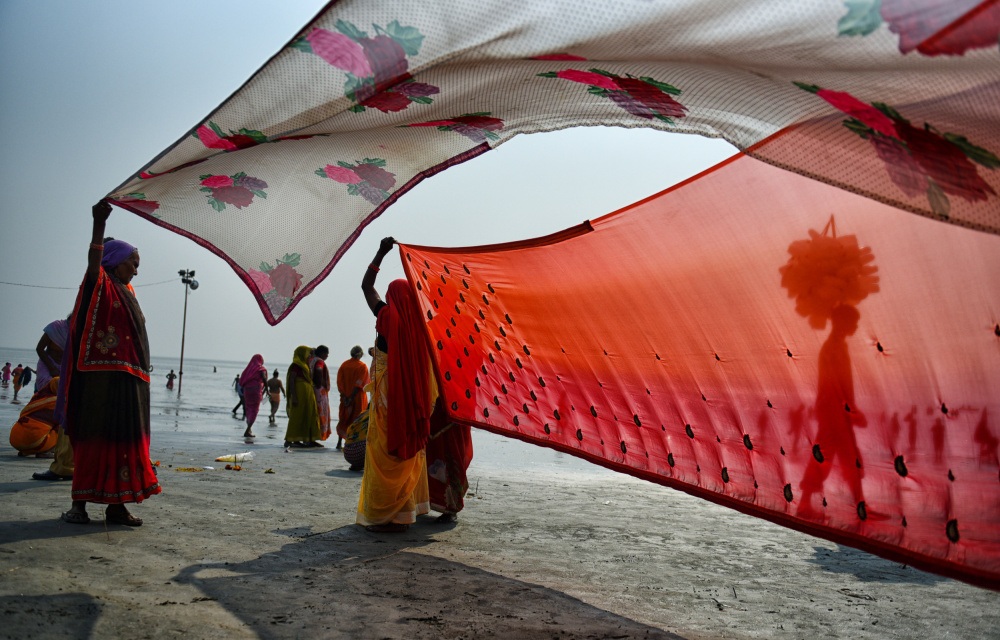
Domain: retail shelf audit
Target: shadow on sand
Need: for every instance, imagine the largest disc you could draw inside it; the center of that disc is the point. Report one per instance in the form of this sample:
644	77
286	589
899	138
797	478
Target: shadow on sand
63	615
869	568
352	583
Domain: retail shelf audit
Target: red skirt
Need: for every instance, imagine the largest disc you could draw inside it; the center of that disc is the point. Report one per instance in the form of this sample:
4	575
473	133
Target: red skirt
110	437
449	453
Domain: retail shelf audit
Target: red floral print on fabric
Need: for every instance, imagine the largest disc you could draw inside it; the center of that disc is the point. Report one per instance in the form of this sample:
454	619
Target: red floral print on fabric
478	127
918	159
377	67
238	190
644	97
930	27
278	283
211	136
367	178
138	202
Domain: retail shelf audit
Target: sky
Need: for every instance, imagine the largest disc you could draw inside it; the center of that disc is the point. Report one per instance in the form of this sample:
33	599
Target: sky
91	91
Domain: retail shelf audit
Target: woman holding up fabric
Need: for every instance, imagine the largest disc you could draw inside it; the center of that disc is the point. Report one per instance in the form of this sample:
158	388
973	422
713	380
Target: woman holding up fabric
303	415
394	486
253	379
104	385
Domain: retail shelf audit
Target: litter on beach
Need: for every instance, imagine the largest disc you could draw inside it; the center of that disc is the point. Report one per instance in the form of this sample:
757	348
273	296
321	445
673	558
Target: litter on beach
236	457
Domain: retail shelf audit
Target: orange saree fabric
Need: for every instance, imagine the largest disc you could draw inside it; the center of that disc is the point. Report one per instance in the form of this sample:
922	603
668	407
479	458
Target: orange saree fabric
801	354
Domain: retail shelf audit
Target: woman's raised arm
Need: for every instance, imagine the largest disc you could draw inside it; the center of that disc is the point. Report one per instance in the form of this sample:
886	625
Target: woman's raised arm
368	282
101	211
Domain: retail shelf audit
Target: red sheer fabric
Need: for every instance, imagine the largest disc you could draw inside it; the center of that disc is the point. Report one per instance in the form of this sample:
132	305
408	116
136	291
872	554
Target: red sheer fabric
807	355
409	403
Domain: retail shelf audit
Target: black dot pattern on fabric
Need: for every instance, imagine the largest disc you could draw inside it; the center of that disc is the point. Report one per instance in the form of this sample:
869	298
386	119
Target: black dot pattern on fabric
900	466
951	530
528	389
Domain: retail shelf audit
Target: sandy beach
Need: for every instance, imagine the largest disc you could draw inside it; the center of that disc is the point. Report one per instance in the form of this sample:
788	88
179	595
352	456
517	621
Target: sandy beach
548	546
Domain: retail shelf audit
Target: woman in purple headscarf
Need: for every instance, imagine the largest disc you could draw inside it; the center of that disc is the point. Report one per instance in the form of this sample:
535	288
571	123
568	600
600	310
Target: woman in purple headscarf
252	380
104	384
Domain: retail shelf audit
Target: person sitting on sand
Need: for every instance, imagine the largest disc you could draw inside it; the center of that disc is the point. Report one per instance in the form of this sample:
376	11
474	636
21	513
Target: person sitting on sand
274	391
51	348
300	403
36	430
394	486
253	380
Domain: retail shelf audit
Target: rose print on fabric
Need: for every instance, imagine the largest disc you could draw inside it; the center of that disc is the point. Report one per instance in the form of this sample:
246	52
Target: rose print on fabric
279	282
138	201
367	178
643	96
238	190
478	127
920	160
212	137
376	67
930	27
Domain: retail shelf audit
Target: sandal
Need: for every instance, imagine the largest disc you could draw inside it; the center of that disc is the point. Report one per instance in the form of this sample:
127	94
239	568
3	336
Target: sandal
122	517
392	527
75	517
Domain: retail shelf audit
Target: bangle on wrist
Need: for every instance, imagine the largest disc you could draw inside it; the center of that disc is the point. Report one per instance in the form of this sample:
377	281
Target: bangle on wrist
373	267
97	247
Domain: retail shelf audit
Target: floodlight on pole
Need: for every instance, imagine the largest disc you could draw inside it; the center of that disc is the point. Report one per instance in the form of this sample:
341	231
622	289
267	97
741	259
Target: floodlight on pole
187	277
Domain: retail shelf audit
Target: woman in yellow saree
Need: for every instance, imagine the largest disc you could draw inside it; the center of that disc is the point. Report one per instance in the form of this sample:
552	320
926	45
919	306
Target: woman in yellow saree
303	415
394	486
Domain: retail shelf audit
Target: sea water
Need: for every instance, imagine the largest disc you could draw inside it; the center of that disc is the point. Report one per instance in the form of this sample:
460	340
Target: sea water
199	410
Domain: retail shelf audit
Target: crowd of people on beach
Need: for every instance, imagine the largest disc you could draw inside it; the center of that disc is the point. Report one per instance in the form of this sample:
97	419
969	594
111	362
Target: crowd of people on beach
90	411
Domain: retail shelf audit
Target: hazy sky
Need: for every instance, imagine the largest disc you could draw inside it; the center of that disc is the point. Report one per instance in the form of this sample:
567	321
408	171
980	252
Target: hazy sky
91	91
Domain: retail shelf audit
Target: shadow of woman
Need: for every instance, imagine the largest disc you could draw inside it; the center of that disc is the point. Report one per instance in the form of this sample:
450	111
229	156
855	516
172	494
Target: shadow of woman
835	444
828	276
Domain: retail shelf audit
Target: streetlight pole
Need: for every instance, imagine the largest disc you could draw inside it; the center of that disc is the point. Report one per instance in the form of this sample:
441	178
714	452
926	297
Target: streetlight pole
187	277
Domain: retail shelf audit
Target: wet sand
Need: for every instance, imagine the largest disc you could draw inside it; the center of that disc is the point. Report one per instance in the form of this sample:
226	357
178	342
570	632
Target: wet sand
547	547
